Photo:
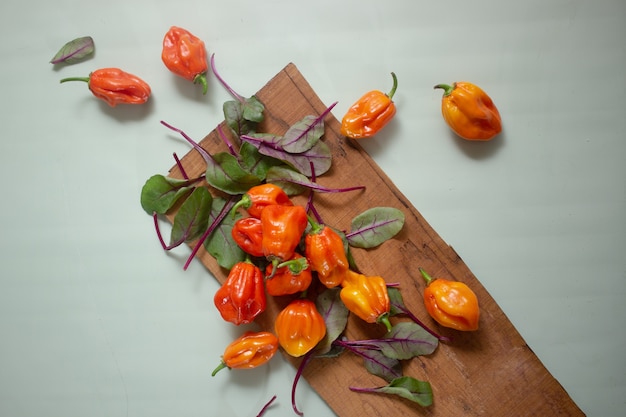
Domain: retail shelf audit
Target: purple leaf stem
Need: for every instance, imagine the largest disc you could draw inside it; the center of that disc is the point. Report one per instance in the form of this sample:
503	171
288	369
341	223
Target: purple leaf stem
419	322
160	236
221	80
266	406
314	124
228	143
299	372
225	210
180	167
207	157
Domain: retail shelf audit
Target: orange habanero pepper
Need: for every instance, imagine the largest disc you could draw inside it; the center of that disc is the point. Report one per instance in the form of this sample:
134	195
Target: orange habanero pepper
299	327
292	278
451	303
242	296
260	196
115	86
326	254
282	228
367	297
185	55
250	350
370	113
469	111
248	235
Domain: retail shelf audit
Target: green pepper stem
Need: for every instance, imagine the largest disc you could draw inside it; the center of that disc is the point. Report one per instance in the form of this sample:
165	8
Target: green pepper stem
384	319
296	266
394	87
447	89
315	226
427	277
201	79
85	79
221	366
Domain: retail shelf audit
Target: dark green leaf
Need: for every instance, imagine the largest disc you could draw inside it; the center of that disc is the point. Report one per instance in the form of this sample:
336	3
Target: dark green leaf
192	219
254	162
335	315
407	387
290	180
225	173
160	193
220	243
374	226
243	117
74	51
303	135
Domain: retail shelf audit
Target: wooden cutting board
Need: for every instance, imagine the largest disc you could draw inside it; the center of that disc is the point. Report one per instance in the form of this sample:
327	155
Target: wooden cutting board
491	372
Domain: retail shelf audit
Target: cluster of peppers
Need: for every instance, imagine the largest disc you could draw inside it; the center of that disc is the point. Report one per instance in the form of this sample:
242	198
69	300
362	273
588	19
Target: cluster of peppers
287	251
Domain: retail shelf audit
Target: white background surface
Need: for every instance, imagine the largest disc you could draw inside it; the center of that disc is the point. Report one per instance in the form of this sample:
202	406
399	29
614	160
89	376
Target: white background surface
96	320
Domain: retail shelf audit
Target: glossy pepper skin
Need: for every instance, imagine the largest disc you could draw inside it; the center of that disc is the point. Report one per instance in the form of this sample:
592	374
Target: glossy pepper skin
299	327
366	297
242	296
451	303
326	254
185	55
248	235
469	111
290	279
283	227
261	196
115	86
368	115
248	351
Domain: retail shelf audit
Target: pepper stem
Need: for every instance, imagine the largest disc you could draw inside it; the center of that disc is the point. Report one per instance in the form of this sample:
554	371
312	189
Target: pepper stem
201	79
384	319
315	226
447	89
427	277
85	79
394	87
221	366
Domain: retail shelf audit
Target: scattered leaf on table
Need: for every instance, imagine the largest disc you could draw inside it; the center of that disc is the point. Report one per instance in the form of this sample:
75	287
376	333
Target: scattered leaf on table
74	51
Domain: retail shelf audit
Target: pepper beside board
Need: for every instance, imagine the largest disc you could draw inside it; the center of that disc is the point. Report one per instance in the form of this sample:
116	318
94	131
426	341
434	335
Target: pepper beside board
489	372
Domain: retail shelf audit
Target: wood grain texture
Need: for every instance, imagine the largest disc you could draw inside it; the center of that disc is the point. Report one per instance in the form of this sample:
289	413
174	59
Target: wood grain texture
490	372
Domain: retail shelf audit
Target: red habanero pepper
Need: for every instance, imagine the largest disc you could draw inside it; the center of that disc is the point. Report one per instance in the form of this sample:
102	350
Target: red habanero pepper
248	235
260	196
326	254
373	111
115	86
242	296
299	327
293	278
451	303
367	297
185	55
469	111
248	351
283	227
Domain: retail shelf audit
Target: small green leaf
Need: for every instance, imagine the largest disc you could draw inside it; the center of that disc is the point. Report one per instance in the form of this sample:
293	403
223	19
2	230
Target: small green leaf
220	243
160	193
74	51
225	173
254	162
192	219
335	315
374	226
407	387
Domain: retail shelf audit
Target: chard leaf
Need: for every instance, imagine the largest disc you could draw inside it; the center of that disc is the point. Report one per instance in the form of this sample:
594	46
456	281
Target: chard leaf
254	162
405	341
225	173
335	315
380	365
192	219
220	243
243	116
374	226
160	193
407	387
74	51
304	134
319	155
290	180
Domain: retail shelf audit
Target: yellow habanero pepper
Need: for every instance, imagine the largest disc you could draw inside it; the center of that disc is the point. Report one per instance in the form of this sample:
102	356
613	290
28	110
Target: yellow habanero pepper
451	303
370	113
299	327
469	111
366	297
